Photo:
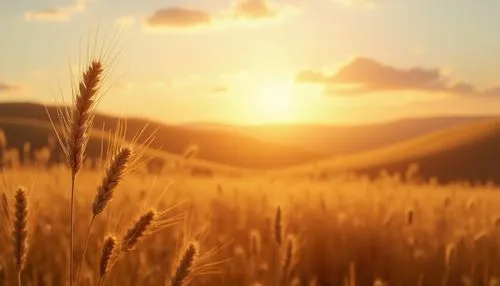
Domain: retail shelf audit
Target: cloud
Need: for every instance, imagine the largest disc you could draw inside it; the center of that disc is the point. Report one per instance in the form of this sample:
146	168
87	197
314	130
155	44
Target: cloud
246	12
255	9
220	89
9	87
491	91
56	14
179	18
365	76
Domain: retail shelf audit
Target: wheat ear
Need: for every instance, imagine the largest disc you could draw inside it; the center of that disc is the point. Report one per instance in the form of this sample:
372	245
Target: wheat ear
114	174
138	230
83	113
106	259
278	227
185	266
20	231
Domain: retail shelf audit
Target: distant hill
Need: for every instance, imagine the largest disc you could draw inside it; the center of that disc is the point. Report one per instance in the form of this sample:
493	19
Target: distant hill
449	148
218	146
340	140
36	132
469	152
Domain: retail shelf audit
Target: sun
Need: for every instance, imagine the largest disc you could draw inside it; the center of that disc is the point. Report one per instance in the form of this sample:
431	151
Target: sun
273	102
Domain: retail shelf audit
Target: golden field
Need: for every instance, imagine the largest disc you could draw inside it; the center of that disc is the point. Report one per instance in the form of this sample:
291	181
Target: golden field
346	231
249	143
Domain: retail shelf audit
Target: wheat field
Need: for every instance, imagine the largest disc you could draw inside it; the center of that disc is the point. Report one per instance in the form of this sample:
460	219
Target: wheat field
345	231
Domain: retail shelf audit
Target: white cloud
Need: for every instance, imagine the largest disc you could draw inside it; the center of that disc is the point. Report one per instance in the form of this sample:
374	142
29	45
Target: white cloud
56	14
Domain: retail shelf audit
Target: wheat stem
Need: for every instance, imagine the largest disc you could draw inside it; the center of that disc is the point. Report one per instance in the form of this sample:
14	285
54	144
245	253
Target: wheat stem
72	231
84	251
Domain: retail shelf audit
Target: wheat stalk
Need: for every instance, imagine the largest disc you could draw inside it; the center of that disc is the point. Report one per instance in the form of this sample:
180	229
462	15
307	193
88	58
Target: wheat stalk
106	259
20	231
83	113
138	230
126	158
278	231
114	174
76	125
184	267
288	261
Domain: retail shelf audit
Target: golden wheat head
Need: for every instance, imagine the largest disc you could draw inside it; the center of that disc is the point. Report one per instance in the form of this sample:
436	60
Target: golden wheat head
20	228
184	267
107	254
82	115
114	174
138	230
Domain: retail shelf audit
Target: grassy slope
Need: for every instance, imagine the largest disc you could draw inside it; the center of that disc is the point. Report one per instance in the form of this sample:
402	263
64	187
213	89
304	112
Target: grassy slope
470	152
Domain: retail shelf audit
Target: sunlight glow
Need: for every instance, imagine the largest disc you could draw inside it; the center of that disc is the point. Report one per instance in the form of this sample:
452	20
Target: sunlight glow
273	102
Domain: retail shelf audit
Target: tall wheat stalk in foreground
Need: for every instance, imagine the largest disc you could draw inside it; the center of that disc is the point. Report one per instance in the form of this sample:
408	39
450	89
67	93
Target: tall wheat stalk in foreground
77	120
80	125
76	124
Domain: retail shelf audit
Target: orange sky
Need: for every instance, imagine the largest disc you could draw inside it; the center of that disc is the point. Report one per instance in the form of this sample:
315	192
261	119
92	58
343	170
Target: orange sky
265	61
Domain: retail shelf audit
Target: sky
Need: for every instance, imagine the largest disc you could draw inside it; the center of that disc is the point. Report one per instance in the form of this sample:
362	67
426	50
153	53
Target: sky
260	61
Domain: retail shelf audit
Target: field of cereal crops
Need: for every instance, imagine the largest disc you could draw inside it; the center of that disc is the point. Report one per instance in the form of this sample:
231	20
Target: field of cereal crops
345	231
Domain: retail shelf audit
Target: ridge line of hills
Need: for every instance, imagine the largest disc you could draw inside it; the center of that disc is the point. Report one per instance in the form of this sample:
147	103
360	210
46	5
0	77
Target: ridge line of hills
448	148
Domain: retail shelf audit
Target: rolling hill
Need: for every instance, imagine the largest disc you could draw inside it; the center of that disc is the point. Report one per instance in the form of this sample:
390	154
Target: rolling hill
36	132
469	152
26	122
448	148
340	140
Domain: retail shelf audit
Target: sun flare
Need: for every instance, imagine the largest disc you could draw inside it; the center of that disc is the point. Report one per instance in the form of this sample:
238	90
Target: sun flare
273	102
